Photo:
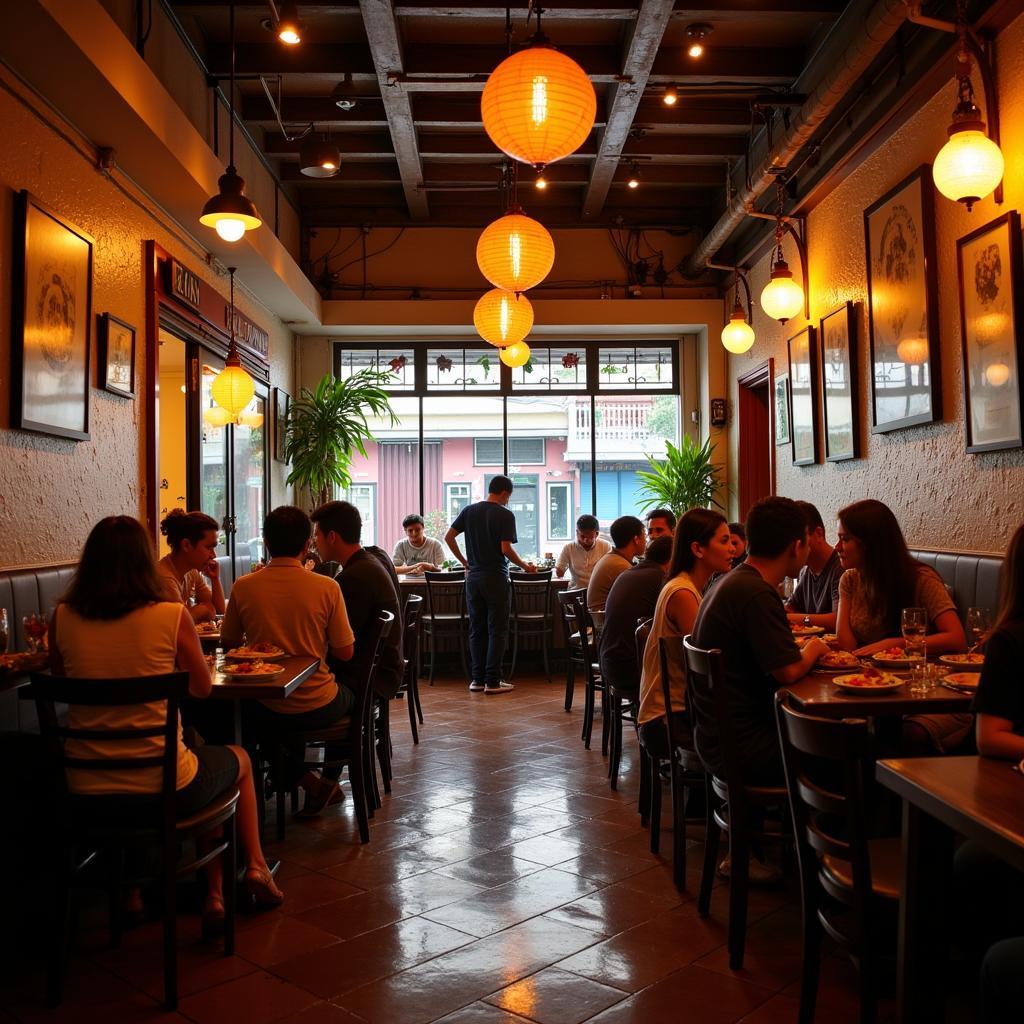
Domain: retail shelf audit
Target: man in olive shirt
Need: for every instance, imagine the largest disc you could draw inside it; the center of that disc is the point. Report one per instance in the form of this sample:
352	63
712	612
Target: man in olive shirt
815	600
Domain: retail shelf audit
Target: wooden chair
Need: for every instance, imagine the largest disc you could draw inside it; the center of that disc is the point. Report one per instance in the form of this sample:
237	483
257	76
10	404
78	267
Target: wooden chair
567	606
411	613
446	616
96	832
734	802
592	674
849	884
623	704
531	614
649	767
353	736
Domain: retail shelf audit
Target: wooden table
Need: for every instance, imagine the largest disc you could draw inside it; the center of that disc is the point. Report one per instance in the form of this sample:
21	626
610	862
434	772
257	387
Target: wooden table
978	797
815	694
297	669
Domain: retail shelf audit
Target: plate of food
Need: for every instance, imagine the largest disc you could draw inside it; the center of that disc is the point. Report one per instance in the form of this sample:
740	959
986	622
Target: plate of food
868	681
963	660
249	669
256	652
962	680
894	657
799	630
830	638
208	628
837	661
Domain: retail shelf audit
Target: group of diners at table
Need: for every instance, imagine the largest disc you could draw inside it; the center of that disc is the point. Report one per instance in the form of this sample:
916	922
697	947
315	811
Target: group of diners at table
721	585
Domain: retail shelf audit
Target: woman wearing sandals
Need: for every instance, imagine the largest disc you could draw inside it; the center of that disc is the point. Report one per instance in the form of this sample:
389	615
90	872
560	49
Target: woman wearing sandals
115	622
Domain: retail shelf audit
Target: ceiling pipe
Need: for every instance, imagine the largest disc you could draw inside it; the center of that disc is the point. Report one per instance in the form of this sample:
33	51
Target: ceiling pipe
864	34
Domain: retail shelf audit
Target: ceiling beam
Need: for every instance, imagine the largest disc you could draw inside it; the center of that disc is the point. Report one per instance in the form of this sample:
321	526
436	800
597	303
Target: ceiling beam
566	10
638	59
386	47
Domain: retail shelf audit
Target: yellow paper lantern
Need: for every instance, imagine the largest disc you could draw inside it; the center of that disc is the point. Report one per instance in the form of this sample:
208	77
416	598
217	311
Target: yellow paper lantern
782	298
215	417
515	252
968	167
997	374
233	389
912	351
538	106
250	418
737	335
502	317
515	355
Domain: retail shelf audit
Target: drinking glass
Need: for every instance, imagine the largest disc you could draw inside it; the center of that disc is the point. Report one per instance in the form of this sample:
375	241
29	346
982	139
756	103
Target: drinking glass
788	586
35	633
5	633
914	623
979	622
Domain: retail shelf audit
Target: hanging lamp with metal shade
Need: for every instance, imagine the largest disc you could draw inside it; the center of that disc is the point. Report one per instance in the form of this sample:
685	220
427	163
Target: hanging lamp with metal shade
231	212
233	389
319	158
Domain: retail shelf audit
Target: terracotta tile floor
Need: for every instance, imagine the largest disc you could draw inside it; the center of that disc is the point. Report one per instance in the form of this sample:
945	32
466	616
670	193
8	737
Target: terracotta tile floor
504	882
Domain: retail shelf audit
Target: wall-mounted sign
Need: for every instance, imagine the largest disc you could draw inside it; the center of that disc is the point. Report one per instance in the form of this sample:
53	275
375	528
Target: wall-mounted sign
185	286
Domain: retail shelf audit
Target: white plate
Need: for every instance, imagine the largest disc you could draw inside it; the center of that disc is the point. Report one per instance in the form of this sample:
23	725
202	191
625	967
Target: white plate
964	666
963	680
808	630
238	655
905	664
889	685
850	667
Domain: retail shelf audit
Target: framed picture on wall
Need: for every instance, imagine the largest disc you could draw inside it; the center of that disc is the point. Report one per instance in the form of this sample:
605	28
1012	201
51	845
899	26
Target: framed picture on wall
899	235
51	317
803	396
783	434
282	403
838	360
116	356
989	274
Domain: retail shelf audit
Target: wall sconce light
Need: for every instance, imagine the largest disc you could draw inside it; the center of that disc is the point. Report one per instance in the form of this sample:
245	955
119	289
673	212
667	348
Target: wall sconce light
782	297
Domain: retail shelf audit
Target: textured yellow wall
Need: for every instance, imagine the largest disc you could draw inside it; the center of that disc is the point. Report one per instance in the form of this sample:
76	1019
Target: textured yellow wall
52	490
943	497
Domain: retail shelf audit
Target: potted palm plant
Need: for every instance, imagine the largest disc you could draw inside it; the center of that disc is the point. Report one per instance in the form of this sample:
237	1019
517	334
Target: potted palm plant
686	478
328	425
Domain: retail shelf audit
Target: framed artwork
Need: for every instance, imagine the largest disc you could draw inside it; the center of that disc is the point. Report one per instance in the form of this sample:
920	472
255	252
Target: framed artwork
838	359
117	356
899	235
989	273
282	403
803	392
783	434
51	315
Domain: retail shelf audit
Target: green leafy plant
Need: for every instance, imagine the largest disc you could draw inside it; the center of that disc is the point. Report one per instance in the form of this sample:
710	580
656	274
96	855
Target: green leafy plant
327	426
687	478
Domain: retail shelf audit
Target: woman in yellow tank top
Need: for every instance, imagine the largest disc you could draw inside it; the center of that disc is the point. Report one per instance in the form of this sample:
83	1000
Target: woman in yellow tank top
114	622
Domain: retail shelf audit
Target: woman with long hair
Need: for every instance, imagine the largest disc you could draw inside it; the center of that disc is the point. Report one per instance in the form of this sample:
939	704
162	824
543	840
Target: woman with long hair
999	702
702	547
192	537
881	578
115	622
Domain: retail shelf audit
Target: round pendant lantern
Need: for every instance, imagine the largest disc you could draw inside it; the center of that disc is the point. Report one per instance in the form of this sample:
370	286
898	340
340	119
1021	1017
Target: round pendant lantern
737	335
538	106
782	298
969	166
233	389
502	317
515	355
912	350
515	252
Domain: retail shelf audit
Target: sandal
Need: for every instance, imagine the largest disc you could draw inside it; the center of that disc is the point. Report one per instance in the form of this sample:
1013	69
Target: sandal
260	884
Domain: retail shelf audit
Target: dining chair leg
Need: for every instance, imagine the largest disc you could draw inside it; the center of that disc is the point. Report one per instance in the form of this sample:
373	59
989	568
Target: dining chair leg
358	784
370	769
616	743
544	654
384	743
811	969
678	826
410	700
712	833
230	874
644	796
170	930
656	788
588	714
432	650
570	682
515	650
416	691
606	721
739	881
279	789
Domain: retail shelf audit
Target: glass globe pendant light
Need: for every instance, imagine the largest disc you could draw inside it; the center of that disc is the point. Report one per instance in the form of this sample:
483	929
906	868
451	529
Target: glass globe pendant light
538	105
502	317
737	334
970	165
231	212
232	389
515	355
781	298
515	252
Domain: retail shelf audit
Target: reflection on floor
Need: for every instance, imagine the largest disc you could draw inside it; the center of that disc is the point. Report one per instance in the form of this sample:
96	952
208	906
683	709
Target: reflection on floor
504	882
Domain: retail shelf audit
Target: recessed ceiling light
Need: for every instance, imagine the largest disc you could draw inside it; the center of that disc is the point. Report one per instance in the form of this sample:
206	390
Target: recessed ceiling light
695	36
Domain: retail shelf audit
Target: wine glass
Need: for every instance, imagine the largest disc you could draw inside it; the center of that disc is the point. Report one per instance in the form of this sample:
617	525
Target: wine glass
979	622
914	624
788	586
35	632
5	632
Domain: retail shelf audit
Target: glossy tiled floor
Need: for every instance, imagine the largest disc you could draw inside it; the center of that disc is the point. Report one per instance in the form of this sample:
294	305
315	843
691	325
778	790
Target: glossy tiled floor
504	882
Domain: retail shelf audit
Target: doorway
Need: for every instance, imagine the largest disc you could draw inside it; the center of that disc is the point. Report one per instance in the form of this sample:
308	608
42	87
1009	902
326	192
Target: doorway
524	504
757	437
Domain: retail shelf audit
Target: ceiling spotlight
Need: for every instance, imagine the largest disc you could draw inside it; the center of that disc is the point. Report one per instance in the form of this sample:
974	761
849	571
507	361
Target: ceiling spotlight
344	103
695	36
289	27
634	178
319	158
671	96
541	183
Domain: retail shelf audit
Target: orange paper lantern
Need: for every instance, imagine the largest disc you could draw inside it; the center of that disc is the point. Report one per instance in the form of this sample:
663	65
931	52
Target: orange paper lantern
515	355
538	106
515	252
502	317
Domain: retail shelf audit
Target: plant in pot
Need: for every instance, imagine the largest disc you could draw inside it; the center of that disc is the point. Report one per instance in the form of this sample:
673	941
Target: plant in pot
686	478
328	425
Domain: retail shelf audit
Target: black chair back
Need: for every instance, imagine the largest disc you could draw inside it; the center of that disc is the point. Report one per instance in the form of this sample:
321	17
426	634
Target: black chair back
531	594
585	624
670	648
411	613
643	631
155	811
446	594
567	603
828	764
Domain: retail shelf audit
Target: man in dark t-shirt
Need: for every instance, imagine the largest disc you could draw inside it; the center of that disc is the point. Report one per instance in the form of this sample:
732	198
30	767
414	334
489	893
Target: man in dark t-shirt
1000	697
633	596
490	530
743	616
815	600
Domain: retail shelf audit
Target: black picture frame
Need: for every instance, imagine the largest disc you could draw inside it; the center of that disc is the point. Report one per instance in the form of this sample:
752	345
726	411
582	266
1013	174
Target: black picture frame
802	350
116	355
282	403
51	321
783	415
992	333
903	305
837	357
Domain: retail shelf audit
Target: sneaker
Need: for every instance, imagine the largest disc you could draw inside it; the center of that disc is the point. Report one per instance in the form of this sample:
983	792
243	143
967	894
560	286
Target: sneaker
475	687
759	873
498	688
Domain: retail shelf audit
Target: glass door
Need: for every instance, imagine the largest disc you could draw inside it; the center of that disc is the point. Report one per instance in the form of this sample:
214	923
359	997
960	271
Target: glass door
249	475
214	470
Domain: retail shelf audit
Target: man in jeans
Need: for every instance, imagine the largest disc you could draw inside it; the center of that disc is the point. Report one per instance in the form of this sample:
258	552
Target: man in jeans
490	530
